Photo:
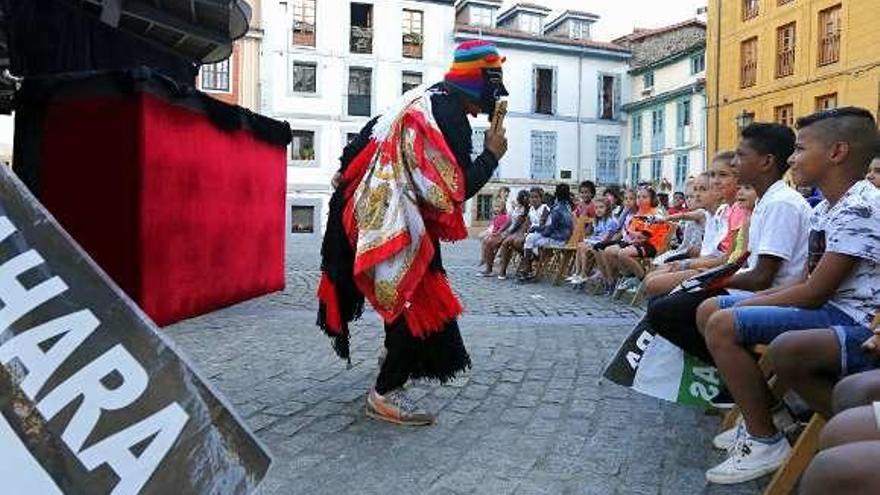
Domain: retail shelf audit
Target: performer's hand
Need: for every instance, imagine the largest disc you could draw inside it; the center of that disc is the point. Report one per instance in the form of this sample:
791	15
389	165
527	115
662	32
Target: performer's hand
496	142
336	180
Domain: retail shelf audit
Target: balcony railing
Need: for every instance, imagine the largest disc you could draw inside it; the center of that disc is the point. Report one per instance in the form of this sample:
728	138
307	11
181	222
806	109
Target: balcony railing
412	50
303	34
749	73
361	39
829	49
750	9
785	63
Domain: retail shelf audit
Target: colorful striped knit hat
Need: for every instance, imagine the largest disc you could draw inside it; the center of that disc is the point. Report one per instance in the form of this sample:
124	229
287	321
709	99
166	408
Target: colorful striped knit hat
466	73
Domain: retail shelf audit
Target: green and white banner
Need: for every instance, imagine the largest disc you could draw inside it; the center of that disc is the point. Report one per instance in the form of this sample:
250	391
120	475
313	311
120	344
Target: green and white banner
650	364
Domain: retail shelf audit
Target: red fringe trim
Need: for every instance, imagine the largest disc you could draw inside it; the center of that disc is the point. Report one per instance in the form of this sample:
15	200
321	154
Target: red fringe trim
432	305
327	295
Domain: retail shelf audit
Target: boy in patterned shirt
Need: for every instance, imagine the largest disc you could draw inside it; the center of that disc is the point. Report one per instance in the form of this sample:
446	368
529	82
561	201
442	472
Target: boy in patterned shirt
832	152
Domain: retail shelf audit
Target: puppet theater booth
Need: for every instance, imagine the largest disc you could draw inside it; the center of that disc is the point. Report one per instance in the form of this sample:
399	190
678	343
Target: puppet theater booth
180	198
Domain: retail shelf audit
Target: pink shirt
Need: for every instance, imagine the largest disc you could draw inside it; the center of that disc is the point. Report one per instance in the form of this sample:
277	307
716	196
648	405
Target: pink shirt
736	217
499	223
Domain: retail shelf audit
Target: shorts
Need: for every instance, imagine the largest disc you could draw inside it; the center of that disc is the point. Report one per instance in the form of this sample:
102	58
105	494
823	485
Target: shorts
762	324
854	359
534	241
877	414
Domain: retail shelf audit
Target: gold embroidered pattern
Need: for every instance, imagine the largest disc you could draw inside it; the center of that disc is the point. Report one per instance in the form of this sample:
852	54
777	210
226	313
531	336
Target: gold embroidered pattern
386	293
373	206
444	168
438	199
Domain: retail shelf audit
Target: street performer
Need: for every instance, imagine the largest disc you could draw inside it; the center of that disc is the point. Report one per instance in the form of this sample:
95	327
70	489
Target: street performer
401	190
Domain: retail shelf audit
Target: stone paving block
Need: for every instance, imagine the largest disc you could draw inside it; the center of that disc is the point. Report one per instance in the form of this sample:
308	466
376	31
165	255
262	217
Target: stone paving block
531	416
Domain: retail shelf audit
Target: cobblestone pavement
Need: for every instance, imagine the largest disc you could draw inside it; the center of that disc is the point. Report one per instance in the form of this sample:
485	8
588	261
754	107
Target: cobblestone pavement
531	417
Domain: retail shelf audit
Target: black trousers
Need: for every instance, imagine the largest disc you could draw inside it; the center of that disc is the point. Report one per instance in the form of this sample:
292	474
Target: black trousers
440	356
674	316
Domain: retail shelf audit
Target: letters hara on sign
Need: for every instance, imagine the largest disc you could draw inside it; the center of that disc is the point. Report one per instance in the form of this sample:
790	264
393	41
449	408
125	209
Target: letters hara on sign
92	399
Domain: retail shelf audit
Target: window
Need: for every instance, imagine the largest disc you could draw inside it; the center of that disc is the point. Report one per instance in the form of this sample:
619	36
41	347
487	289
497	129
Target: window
215	77
543	155
410	80
530	23
656	169
360	91
481	16
785	42
609	97
648	79
635	173
784	114
637	127
681	171
413	33
683	122
302	219
657	130
607	159
579	30
698	63
304	22
544	91
826	102
750	9
304	77
749	63
361	40
829	35
484	207
302	148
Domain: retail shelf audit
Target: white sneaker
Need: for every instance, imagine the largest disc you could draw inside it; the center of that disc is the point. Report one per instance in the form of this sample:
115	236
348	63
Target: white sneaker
727	438
749	460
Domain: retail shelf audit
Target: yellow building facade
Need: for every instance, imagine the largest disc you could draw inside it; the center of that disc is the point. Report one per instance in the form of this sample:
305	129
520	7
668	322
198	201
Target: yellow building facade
776	60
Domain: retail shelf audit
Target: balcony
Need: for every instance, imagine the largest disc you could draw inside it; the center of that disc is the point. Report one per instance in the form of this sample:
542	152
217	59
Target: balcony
829	49
361	40
303	34
785	63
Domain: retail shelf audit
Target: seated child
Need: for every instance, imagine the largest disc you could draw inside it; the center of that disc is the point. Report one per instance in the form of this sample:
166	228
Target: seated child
555	232
648	233
604	229
873	175
679	205
513	243
490	244
833	150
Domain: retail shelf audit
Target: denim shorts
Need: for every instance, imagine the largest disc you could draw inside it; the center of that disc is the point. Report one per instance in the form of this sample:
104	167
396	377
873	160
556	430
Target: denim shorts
761	324
854	359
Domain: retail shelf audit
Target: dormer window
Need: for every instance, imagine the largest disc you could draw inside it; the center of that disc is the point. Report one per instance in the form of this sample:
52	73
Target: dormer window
579	30
481	16
530	23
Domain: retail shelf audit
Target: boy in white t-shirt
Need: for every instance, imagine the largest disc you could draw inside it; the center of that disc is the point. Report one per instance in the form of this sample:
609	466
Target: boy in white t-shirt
832	151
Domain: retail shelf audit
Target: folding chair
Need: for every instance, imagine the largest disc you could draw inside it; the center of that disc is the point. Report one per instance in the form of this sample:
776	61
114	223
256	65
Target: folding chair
558	261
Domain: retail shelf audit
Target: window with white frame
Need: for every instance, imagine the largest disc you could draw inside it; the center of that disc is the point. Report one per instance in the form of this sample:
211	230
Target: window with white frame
635	172
413	33
304	77
698	63
302	147
545	88
579	30
607	159
543	164
360	82
215	77
648	79
609	96
530	23
481	16
303	22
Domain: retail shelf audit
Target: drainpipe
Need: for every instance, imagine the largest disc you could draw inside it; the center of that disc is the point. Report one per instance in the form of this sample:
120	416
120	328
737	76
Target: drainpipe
580	98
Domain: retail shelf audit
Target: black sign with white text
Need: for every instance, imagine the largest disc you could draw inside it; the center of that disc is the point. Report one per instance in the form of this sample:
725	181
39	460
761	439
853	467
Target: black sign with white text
93	400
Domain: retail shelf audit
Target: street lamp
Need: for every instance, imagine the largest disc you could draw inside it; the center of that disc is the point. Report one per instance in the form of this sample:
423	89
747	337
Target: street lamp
744	118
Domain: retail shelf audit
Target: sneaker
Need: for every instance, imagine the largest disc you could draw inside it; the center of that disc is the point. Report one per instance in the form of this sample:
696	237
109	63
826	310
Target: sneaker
727	438
502	277
395	407
749	460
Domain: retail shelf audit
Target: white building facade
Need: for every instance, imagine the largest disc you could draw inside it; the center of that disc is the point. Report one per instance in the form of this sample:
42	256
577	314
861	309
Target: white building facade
329	65
565	120
666	132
